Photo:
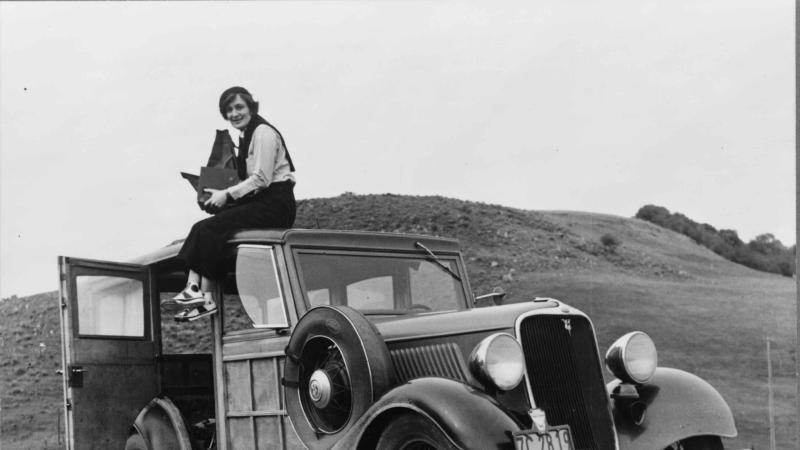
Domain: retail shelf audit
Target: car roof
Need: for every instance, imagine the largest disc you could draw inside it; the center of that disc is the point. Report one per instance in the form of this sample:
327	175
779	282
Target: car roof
318	238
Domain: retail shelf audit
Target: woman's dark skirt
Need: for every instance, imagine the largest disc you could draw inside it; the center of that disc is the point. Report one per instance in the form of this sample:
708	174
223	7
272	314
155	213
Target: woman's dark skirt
203	249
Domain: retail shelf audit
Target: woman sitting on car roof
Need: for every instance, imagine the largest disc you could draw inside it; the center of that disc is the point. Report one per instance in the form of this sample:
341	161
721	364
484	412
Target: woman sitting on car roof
264	198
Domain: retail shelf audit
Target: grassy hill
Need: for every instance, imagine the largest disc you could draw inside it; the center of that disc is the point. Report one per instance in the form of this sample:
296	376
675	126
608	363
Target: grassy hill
706	314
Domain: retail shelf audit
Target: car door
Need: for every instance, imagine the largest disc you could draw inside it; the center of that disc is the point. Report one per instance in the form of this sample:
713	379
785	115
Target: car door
108	350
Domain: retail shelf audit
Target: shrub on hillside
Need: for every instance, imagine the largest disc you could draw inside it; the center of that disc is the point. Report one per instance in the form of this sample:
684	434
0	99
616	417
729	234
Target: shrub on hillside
609	242
786	268
763	253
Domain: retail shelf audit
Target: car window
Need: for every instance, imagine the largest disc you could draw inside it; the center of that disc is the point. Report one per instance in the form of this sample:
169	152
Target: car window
380	283
430	285
319	297
372	293
257	299
110	306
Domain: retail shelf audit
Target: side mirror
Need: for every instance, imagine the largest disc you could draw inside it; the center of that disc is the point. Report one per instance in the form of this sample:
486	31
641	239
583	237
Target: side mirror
497	295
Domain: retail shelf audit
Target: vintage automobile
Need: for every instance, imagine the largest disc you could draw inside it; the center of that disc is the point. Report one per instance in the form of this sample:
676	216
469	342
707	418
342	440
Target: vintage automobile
357	340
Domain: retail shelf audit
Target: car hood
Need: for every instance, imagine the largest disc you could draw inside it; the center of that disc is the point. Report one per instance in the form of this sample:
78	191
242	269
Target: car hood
414	326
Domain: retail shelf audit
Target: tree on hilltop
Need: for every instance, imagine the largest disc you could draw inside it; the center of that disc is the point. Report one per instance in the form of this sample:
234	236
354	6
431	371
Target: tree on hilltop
765	252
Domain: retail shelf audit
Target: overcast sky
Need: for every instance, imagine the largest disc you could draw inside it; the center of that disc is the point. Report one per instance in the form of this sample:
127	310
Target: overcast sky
590	106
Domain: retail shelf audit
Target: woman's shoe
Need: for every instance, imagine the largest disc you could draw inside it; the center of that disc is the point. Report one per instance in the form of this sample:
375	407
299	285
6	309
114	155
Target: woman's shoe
190	295
192	314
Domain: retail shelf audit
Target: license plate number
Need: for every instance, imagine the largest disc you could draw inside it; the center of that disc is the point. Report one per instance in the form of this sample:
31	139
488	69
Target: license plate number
556	438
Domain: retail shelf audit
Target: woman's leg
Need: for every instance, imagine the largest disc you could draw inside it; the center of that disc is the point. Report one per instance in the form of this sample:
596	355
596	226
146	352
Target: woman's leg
202	307
209	286
192	293
205	244
202	252
203	249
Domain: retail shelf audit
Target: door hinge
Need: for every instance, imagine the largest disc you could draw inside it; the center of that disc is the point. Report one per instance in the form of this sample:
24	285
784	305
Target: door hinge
63	291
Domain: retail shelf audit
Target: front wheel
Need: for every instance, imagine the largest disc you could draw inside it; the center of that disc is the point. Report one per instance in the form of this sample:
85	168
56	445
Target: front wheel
698	443
410	431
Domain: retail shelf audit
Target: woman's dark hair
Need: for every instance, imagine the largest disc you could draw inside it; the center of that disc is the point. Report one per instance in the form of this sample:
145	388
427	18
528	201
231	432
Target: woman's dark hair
230	95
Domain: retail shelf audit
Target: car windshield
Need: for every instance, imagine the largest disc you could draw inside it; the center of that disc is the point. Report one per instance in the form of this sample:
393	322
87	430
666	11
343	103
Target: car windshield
381	284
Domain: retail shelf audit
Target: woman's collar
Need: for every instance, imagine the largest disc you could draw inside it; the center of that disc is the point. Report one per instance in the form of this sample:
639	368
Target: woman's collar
235	134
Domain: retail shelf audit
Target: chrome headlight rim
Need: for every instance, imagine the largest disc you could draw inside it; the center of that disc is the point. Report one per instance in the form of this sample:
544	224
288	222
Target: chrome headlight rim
618	358
479	364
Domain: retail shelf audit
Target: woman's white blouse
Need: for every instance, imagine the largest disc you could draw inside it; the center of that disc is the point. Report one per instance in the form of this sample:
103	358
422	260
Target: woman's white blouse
266	162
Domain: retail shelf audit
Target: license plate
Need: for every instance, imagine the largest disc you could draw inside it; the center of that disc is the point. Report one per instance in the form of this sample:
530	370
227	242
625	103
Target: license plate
556	438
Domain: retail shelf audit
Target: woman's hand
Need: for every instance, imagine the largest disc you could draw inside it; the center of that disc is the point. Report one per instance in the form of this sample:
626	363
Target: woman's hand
218	198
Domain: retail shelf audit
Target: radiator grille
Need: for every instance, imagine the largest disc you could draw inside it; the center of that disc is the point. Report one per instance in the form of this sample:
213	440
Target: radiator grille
565	378
439	360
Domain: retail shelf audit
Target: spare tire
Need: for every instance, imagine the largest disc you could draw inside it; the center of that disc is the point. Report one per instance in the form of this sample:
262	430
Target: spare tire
337	365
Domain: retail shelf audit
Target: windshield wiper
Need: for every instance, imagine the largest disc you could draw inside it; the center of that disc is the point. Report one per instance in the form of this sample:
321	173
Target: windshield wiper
437	260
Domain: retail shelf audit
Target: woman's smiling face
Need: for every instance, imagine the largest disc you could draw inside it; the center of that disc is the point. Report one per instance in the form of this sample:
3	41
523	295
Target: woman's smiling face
238	113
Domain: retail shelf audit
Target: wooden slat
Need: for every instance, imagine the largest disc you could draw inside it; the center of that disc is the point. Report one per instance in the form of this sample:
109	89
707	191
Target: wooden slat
253	430
260	413
279	397
268	436
237	380
241	433
219	382
254	398
247	356
265	394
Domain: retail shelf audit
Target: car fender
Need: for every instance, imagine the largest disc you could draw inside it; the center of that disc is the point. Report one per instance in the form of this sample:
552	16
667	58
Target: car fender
469	417
679	405
161	425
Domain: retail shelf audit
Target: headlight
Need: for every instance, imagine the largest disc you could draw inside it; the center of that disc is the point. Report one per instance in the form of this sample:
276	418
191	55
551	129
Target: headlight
632	358
498	360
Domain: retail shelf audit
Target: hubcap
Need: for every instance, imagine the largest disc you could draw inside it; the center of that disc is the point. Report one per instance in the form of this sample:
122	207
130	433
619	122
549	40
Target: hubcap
325	390
319	388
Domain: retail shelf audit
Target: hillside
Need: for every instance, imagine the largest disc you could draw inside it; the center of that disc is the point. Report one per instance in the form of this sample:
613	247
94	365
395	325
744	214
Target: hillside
706	314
